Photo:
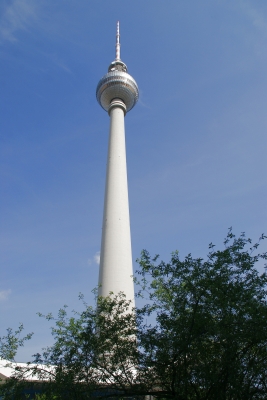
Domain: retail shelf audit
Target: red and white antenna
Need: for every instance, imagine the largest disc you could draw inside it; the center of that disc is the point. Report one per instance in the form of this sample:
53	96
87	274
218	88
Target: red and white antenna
118	46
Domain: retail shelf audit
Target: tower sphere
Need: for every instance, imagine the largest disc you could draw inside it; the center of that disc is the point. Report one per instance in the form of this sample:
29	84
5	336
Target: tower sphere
117	84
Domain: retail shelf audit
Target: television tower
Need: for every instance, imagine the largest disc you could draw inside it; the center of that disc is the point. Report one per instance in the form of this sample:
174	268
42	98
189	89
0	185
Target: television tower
117	93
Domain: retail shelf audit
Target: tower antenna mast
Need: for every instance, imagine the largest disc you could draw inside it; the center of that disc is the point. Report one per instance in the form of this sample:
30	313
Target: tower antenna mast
118	46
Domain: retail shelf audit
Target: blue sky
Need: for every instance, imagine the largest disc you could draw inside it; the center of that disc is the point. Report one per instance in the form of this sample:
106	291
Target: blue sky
196	141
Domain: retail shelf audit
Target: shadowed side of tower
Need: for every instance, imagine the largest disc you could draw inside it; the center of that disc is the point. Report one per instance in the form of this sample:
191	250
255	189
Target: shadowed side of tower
117	93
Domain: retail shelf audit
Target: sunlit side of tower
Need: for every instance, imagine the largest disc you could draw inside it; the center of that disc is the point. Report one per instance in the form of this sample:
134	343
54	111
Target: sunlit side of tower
117	93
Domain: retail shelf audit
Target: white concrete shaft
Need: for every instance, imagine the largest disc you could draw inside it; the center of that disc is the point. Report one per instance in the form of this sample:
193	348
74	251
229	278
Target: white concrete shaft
116	269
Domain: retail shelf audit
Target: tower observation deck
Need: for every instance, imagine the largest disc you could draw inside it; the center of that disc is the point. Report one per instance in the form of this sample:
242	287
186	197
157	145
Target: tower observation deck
117	93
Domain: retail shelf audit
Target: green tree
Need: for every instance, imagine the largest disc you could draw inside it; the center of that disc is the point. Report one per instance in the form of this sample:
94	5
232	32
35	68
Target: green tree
94	354
210	336
206	337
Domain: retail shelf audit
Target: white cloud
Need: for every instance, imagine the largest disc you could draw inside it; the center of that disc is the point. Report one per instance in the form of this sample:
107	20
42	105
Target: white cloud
17	16
95	260
97	257
4	294
256	15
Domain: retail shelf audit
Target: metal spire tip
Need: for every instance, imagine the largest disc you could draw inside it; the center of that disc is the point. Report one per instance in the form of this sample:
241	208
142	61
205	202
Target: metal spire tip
118	46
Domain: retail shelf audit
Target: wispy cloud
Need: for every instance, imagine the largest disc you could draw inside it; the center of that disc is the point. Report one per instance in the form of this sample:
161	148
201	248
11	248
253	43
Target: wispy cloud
141	102
97	257
4	294
54	60
95	260
63	66
17	16
257	17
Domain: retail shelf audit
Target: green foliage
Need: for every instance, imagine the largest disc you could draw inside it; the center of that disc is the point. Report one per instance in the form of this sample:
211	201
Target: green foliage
210	336
10	343
207	338
94	352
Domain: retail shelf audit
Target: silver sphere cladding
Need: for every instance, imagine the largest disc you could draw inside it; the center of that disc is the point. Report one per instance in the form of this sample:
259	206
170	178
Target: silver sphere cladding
117	84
